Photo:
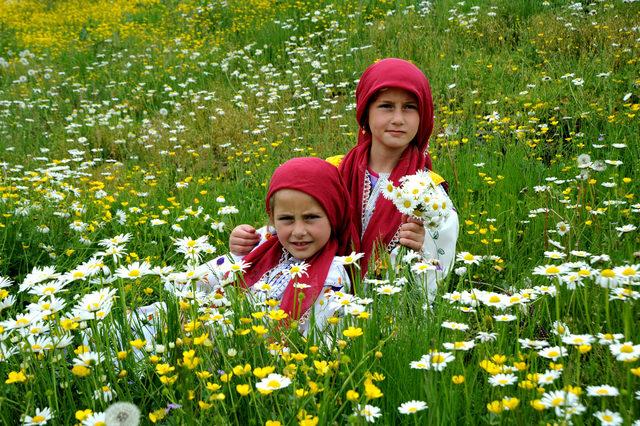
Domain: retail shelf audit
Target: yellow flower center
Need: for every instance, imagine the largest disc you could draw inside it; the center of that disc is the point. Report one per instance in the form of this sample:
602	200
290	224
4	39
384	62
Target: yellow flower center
627	349
629	272
469	257
437	359
552	270
608	273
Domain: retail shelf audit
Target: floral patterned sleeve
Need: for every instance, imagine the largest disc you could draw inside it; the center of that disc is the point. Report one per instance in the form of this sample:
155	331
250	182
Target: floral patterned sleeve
337	281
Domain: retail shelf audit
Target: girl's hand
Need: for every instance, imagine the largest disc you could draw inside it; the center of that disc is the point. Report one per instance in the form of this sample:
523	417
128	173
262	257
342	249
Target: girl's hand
412	233
243	239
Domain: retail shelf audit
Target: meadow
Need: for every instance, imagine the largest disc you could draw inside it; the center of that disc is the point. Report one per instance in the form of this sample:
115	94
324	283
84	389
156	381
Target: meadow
134	135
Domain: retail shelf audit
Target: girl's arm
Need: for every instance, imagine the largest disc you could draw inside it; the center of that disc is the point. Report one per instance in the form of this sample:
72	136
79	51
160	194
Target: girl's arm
440	243
214	270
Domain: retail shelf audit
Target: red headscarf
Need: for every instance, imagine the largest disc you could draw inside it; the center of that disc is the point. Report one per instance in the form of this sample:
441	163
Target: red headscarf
321	181
386	219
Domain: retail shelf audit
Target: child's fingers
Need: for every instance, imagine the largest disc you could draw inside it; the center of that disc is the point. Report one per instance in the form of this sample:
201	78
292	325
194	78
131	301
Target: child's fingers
241	249
242	239
412	236
414	227
410	243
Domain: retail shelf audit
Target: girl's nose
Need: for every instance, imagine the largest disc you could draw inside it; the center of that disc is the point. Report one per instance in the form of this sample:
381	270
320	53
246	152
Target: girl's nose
398	117
299	229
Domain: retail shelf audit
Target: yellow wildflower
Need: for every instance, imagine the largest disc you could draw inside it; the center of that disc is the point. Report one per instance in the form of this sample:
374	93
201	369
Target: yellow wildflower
16	377
243	390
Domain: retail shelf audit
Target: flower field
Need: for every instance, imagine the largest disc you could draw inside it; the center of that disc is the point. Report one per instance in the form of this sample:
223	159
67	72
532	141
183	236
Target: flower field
134	135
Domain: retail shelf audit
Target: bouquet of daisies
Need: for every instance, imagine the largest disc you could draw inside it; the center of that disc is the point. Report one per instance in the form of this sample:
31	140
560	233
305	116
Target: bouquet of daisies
419	197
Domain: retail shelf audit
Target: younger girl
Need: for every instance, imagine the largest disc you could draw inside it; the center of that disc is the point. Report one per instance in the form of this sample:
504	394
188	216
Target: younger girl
308	205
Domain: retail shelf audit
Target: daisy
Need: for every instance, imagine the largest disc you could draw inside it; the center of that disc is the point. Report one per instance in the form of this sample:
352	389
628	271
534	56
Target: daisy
455	325
626	351
388	289
422	267
558	398
40	418
602	390
98	419
297	270
504	318
5	281
608	338
105	393
578	339
369	412
437	360
496	300
468	258
553	352
502	380
537	344
549	270
412	407
625	228
133	271
115	241
272	382
96	305
607	278
628	273
556	255
239	267
560	329
548	377
580	253
608	417
484	337
459	346
351	259
562	228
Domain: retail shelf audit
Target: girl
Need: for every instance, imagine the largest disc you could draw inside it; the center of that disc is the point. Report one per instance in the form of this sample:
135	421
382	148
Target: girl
308	205
394	110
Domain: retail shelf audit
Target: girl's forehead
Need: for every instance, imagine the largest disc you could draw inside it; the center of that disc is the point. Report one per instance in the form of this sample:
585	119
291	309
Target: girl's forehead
295	197
395	92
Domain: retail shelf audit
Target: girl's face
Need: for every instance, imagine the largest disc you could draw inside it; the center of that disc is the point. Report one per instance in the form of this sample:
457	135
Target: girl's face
301	223
393	120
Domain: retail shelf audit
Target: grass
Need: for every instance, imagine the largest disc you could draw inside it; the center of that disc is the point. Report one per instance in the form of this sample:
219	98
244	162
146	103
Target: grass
115	116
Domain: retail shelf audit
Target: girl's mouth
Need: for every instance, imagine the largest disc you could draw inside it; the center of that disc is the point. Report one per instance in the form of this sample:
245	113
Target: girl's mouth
300	244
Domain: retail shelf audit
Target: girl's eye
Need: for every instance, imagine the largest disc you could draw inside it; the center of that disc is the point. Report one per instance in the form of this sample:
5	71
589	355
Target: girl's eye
385	106
411	106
